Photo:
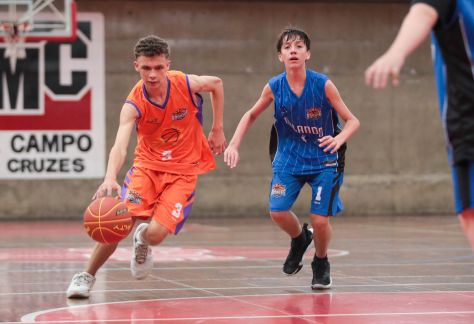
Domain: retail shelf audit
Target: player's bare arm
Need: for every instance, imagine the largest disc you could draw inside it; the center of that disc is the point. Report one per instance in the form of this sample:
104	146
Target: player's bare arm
231	154
214	86
351	123
117	155
415	28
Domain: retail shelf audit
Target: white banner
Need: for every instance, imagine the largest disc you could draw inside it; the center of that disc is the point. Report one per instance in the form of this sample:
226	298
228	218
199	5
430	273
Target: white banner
52	107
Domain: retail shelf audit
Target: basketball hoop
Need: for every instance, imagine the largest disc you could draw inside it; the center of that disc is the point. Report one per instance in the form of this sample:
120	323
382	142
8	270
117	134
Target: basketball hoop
46	20
15	35
24	21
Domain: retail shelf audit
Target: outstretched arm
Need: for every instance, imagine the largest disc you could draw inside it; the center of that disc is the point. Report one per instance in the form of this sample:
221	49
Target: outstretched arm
416	26
231	154
118	152
213	85
351	123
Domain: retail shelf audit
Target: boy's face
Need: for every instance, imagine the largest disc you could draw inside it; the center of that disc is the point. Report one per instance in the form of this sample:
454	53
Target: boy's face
293	52
152	69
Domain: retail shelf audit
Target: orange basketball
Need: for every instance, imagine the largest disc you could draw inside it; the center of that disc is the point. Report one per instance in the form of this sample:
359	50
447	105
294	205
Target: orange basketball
107	220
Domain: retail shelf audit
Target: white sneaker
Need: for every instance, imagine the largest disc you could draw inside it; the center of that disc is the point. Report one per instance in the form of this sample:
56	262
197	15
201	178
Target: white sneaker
81	285
142	259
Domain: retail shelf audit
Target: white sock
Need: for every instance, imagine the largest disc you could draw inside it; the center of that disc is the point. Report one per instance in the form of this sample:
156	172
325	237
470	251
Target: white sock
141	238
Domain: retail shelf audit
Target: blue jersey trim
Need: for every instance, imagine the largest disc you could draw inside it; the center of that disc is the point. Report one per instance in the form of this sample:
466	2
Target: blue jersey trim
134	106
199	102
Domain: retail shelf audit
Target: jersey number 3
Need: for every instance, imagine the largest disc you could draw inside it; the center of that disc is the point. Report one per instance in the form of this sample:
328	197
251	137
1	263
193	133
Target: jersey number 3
177	210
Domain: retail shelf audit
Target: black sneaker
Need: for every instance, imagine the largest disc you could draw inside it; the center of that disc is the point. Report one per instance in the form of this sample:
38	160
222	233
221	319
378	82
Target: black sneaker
293	262
321	274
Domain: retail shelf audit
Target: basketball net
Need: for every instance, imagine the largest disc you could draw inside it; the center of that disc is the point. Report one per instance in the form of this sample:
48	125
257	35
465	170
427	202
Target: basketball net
15	39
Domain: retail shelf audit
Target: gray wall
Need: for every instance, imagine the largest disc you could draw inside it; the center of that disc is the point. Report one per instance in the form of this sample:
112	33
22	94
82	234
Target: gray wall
396	163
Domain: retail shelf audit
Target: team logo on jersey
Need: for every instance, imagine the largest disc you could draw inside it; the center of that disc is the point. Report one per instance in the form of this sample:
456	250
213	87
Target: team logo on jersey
278	190
134	197
170	135
313	113
180	114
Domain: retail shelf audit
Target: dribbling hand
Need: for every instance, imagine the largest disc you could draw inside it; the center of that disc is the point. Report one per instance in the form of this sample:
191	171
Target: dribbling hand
107	188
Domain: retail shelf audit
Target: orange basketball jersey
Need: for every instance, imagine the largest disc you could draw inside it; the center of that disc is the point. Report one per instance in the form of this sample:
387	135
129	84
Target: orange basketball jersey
170	136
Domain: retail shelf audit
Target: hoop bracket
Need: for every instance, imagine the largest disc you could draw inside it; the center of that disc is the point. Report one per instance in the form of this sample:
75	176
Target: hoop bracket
15	39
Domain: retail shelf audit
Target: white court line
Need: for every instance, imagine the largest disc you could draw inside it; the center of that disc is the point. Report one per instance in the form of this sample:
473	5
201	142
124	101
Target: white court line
278	265
99	277
230	298
374	249
302	316
30	317
305	287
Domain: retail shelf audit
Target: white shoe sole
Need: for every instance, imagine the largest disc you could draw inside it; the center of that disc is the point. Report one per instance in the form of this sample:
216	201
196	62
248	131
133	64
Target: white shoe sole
319	286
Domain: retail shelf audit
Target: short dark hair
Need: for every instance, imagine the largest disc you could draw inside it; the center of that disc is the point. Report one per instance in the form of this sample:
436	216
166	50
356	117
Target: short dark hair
292	33
151	45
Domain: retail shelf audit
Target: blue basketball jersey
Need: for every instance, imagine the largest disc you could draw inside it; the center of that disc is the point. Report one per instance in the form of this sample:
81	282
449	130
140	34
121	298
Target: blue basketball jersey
300	122
453	40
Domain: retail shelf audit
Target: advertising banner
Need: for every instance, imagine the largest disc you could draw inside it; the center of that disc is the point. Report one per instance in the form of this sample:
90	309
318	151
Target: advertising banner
52	107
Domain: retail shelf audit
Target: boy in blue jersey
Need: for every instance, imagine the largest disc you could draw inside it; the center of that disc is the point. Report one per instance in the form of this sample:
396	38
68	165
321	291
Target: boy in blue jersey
310	149
452	23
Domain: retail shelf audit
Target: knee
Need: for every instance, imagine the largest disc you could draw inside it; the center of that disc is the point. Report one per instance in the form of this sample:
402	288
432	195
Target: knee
319	222
278	216
156	233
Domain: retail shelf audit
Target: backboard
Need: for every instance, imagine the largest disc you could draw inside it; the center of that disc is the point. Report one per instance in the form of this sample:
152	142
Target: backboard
24	21
37	20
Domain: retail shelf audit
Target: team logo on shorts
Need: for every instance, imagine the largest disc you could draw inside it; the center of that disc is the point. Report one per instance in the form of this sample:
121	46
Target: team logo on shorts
278	190
181	113
121	211
313	113
134	197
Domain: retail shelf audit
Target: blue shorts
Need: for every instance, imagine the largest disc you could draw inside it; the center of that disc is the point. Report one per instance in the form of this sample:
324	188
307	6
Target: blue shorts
463	182
325	186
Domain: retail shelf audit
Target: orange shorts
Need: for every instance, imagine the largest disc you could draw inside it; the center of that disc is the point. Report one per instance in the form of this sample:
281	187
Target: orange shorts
166	197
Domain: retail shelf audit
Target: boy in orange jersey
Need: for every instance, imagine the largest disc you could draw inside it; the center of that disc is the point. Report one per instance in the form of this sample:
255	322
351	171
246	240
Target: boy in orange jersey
172	150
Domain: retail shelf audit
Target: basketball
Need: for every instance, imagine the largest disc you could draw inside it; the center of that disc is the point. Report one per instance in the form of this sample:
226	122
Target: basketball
107	220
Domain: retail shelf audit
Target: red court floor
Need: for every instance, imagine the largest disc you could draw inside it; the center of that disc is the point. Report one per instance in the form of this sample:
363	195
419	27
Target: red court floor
385	270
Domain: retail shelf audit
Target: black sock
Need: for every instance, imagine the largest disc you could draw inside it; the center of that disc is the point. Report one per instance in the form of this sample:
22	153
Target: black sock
316	259
300	239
